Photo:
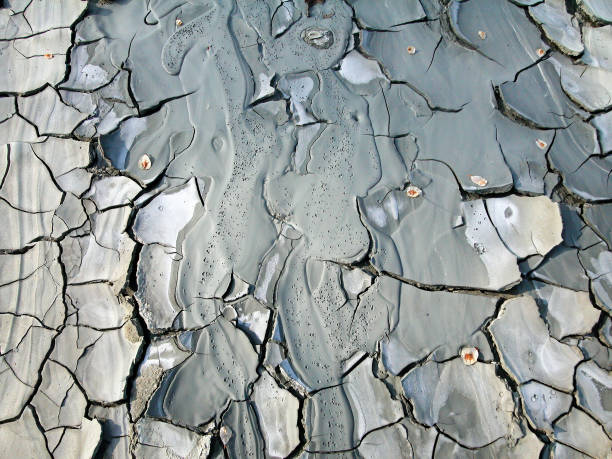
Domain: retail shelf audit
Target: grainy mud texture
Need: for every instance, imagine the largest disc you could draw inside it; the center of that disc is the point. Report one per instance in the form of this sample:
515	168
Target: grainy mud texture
306	229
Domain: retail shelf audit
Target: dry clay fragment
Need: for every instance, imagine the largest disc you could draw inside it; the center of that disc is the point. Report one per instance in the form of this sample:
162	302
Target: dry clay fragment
575	153
597	52
23	74
395	440
56	42
337	418
468	403
48	113
97	306
112	191
527	351
526	447
543	404
527	225
23	438
557	26
159	440
589	87
597	262
31	284
117	430
22	228
161	220
455	244
277	411
524	150
84	440
537	97
594	392
221	352
44	15
427	327
62	155
599	353
577	430
59	402
562	267
566	311
386	14
358	70
109	361
597	10
599	218
28	185
19	370
156	286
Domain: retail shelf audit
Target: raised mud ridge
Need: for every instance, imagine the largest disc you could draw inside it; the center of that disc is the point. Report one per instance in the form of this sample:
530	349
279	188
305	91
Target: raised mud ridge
306	228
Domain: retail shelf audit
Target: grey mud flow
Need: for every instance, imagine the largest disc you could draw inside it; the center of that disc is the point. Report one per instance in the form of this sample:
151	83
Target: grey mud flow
306	229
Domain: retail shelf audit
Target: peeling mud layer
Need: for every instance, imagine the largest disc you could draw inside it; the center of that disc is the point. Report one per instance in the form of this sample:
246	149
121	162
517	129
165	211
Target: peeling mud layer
306	228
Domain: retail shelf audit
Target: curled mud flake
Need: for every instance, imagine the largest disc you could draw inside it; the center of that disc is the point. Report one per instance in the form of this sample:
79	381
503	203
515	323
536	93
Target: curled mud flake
482	34
413	191
469	355
48	56
225	433
178	22
318	37
541	144
478	180
540	52
411	50
144	162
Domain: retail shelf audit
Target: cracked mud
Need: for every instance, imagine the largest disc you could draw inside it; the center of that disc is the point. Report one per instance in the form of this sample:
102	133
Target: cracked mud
306	228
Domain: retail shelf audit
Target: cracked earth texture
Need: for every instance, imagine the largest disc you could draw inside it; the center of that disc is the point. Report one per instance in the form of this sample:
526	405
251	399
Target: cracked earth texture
306	228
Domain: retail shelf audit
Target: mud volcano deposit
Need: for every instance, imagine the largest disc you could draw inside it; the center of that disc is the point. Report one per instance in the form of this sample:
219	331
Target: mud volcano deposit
306	229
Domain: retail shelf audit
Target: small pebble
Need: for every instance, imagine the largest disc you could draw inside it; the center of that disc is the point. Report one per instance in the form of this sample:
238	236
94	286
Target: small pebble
469	355
541	144
48	56
540	52
413	191
482	34
144	162
411	50
478	180
179	23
